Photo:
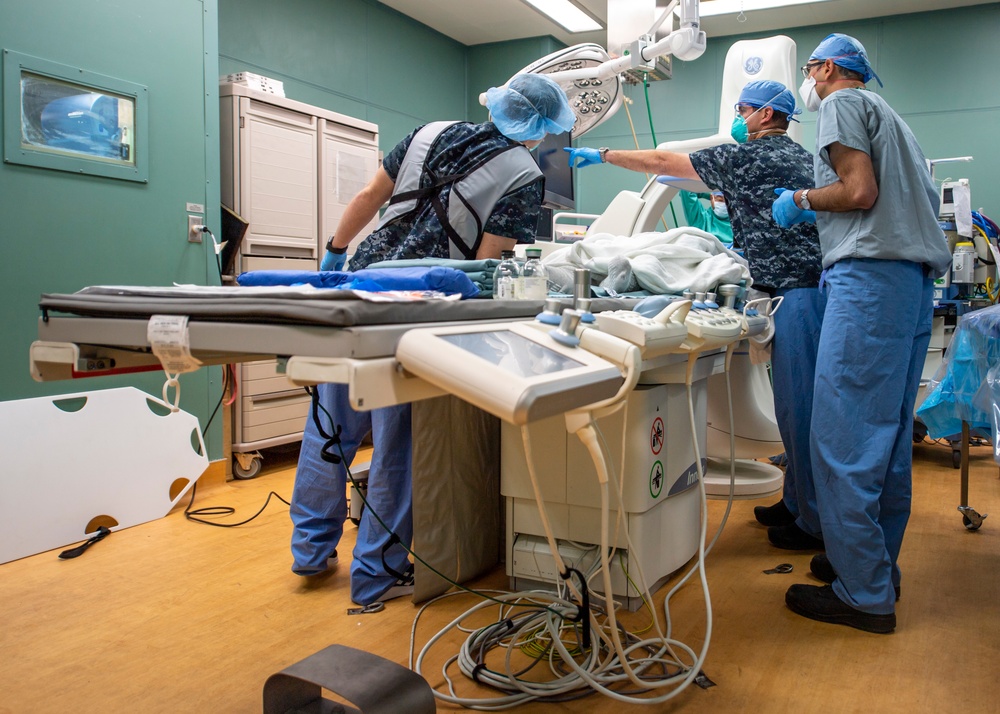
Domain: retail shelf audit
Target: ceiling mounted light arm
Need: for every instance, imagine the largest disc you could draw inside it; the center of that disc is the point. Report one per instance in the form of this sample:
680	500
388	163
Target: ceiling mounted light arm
592	79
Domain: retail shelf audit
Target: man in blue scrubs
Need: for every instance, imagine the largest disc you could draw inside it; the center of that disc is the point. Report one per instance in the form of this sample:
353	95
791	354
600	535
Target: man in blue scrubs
489	165
876	209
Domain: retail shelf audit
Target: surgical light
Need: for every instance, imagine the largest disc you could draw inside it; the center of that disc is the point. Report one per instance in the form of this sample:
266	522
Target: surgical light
566	14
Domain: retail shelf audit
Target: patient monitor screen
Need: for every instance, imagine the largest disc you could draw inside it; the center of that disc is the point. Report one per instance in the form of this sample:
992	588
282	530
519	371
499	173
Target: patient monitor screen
512	352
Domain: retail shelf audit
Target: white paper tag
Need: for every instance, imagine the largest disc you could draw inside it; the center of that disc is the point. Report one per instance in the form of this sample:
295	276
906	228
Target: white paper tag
168	336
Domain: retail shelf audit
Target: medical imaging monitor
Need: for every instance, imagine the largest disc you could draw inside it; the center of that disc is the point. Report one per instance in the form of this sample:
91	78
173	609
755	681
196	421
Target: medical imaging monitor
511	370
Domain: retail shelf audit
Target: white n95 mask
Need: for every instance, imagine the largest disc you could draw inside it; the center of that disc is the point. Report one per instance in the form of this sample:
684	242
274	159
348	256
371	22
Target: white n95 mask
807	91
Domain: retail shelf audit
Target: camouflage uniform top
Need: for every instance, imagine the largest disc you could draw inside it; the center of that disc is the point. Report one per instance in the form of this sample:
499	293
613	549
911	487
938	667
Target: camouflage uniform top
747	175
420	235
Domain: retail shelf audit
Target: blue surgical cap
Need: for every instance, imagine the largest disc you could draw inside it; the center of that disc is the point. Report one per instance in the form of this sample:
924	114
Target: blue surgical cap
765	93
848	53
529	107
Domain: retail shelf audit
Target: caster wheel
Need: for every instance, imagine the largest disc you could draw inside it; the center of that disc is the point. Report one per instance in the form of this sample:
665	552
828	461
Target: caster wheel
969	525
243	474
956	459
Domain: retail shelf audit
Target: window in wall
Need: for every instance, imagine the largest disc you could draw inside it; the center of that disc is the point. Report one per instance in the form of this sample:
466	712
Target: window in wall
70	119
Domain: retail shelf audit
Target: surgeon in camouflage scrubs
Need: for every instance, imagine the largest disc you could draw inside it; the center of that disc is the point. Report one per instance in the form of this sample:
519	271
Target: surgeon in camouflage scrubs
783	262
522	112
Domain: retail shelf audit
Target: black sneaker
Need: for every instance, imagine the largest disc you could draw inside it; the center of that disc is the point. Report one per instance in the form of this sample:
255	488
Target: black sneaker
793	538
776	515
819	602
821	567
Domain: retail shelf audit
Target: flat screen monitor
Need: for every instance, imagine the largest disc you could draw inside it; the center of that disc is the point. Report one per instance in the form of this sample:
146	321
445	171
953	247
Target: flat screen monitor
554	163
511	370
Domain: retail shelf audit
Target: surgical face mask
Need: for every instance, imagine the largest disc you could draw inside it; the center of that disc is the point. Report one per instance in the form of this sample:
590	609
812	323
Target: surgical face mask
720	210
739	130
807	91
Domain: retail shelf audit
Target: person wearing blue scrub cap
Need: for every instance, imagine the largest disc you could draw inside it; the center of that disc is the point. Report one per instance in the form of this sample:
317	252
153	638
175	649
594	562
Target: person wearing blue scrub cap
529	107
876	207
846	52
455	190
784	263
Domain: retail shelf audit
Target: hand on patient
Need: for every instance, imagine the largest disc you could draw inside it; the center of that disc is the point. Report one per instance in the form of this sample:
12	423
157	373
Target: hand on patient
785	211
333	261
583	157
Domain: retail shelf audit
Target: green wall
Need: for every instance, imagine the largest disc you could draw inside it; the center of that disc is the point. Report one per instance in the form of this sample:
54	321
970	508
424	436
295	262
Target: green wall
939	70
63	231
492	64
356	57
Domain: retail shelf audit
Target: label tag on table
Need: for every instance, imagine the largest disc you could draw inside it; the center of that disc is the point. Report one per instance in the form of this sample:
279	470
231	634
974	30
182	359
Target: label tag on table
168	336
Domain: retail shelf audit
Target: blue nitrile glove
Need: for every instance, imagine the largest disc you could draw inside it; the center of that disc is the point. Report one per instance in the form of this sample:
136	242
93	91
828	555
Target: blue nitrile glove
785	211
333	261
587	157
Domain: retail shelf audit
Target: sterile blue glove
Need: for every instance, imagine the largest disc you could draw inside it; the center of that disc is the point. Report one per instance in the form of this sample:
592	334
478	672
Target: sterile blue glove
333	261
785	211
587	157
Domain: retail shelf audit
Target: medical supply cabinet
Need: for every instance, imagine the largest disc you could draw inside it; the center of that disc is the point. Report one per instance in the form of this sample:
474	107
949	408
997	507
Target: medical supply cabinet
289	169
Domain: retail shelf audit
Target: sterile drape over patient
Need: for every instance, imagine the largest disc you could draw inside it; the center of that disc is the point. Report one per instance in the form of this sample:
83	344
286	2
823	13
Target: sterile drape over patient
672	262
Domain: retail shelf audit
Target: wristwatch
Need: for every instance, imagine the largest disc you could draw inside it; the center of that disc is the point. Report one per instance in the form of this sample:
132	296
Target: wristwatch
337	251
804	200
603	151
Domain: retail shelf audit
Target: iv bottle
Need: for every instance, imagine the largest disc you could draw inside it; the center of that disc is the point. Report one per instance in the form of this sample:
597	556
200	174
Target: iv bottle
506	278
535	278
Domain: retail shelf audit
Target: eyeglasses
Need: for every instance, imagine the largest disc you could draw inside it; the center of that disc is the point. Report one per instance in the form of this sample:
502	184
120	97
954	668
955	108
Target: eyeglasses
807	67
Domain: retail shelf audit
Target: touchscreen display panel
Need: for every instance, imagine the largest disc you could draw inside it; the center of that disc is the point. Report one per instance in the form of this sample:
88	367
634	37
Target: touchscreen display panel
512	352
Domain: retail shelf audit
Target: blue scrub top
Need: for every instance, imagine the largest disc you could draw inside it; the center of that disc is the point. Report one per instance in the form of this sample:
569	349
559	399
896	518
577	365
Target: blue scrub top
903	223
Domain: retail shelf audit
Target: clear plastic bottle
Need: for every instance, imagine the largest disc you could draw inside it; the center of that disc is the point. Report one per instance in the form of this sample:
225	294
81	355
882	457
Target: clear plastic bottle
506	278
535	278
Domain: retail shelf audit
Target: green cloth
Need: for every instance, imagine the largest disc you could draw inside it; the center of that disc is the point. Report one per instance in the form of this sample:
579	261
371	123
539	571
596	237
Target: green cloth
703	217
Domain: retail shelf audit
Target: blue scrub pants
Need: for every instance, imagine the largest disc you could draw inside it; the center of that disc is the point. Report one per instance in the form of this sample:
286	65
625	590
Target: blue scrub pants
319	504
797	325
875	334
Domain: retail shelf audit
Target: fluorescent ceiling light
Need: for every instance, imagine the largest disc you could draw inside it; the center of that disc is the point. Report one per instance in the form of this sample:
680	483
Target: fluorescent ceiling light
734	7
566	14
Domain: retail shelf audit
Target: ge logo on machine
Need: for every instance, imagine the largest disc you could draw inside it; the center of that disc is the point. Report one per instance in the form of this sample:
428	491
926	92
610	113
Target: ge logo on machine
753	65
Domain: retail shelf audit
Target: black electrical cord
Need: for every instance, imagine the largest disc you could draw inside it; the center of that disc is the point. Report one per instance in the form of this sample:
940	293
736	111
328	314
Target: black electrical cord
218	260
197	515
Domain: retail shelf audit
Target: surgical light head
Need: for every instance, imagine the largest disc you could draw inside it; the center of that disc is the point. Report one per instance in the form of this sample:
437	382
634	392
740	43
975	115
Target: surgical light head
846	52
592	98
529	107
766	93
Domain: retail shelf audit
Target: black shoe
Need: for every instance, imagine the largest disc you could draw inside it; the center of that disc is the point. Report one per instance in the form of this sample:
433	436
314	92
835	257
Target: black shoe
821	567
821	603
793	538
776	515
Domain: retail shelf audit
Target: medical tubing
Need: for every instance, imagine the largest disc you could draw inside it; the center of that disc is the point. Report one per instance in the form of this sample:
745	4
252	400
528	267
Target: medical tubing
649	109
635	140
732	449
595	453
594	673
700	564
543	516
652	131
